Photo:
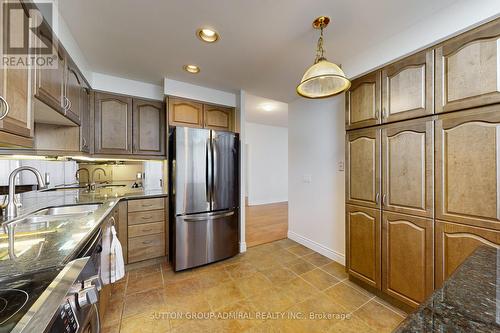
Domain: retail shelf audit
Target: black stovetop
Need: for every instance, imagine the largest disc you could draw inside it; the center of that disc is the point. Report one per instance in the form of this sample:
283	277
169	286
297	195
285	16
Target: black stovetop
17	295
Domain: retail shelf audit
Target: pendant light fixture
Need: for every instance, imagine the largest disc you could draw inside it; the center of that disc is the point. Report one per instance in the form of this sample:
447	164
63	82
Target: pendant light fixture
323	78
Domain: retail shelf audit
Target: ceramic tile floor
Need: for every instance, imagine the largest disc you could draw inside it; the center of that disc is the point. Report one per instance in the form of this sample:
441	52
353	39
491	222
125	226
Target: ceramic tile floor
274	287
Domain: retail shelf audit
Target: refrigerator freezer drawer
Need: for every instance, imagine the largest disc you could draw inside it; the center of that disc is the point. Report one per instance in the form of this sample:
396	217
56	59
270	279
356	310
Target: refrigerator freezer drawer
204	238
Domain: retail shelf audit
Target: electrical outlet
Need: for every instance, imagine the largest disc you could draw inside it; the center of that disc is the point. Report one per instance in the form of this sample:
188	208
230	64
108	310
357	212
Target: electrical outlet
341	166
307	179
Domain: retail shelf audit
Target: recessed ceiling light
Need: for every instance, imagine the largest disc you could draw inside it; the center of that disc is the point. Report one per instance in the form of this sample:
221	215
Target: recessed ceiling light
193	69
207	35
267	107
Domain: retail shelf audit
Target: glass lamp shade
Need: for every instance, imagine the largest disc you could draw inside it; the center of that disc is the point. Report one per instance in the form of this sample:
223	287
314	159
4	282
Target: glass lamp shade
323	79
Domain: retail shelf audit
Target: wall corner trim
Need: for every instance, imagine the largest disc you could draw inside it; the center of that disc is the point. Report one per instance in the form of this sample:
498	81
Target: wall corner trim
243	247
329	253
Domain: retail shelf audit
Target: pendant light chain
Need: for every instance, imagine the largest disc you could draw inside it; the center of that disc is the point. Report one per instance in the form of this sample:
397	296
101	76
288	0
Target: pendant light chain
320	52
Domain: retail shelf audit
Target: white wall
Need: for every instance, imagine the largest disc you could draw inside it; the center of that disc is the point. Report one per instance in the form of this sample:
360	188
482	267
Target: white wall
199	93
461	15
267	163
127	87
315	186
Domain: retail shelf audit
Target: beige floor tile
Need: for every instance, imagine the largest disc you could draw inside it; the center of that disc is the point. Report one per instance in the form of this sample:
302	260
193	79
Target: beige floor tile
212	277
393	308
335	269
285	243
143	323
319	279
208	326
352	325
317	259
379	317
152	281
114	310
358	288
279	275
298	290
246	311
300	266
223	295
253	284
118	290
110	326
142	271
240	269
272	300
300	250
169	276
346	296
284	257
143	302
184	287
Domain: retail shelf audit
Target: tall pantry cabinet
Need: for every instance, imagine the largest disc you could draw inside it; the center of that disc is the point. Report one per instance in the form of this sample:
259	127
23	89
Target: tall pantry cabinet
422	165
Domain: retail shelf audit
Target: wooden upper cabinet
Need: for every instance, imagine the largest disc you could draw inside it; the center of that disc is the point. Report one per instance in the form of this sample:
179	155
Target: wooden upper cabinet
363	102
182	112
456	242
407	257
363	244
467	69
49	86
218	118
149	127
363	167
73	93
408	87
113	124
468	168
85	126
16	128
408	167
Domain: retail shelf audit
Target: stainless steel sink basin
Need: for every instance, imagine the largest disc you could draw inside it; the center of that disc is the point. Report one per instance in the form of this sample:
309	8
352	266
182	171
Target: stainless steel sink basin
62	188
55	213
110	185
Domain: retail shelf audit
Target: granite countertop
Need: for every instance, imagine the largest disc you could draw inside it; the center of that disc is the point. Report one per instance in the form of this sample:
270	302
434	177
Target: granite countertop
467	301
54	243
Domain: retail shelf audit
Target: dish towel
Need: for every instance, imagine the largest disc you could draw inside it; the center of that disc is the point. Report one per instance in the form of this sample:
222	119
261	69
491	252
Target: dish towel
117	264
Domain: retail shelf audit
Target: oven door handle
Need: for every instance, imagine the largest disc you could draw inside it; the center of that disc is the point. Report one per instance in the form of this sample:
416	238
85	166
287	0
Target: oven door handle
98	321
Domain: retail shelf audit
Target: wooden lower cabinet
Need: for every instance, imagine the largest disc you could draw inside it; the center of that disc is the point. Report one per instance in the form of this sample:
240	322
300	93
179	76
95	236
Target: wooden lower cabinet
455	242
363	244
407	257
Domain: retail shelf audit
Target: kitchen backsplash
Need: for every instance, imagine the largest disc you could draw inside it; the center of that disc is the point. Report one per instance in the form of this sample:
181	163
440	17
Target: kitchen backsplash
63	172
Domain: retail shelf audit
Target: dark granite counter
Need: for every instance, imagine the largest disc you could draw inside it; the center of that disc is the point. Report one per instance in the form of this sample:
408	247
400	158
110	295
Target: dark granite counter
467	302
53	243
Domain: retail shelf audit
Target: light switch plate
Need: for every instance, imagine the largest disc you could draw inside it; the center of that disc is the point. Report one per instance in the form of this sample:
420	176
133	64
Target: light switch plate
307	179
341	166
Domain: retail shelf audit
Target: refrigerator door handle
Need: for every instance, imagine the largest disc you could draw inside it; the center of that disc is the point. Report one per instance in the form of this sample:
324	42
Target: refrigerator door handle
208	171
207	216
214	165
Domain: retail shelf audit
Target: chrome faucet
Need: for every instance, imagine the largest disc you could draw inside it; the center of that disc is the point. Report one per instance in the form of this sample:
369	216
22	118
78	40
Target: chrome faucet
77	174
11	209
92	185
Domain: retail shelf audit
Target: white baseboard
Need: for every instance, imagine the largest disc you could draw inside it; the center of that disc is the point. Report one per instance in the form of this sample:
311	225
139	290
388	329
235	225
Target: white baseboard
243	247
329	253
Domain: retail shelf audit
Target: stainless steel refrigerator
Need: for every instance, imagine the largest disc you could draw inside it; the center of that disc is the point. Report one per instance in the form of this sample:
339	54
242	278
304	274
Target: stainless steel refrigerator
204	195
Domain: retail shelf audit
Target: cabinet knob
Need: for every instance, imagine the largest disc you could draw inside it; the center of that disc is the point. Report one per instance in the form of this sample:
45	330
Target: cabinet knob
4	108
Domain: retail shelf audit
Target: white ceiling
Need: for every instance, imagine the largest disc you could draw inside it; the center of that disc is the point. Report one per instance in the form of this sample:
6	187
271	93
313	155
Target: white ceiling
265	45
256	112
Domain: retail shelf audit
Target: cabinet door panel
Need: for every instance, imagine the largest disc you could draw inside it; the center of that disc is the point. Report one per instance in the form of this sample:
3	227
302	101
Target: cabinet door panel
467	69
363	102
85	125
218	118
15	89
363	244
363	168
455	242
468	168
149	127
407	87
74	84
407	257
408	168
113	124
185	113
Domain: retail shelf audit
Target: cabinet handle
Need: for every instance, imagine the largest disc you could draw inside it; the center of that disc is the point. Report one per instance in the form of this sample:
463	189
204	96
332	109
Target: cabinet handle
383	199
147	230
377	198
377	115
147	205
147	242
384	113
147	218
7	108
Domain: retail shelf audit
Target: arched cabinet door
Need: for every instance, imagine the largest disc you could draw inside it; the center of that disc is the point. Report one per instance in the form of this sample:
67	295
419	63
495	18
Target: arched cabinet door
218	118
455	242
467	69
363	168
407	257
149	127
363	102
113	124
185	113
363	244
408	87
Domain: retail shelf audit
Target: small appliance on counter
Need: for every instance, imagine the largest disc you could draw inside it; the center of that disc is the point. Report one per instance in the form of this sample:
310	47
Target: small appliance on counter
204	195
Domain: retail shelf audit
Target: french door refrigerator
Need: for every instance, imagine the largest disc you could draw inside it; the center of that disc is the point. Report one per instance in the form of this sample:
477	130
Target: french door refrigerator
204	195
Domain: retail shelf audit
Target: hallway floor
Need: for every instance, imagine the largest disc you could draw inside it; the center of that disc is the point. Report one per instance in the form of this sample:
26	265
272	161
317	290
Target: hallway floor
275	287
266	223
